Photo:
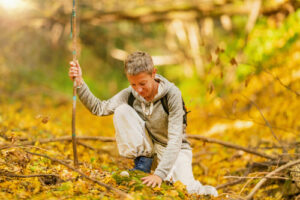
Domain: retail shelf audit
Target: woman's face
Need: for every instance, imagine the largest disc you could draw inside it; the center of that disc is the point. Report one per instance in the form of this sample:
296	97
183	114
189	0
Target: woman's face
143	84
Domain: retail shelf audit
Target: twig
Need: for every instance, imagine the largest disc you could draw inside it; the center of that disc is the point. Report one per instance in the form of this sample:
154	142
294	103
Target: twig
258	177
262	181
64	138
281	83
230	145
236	181
244	186
267	122
287	87
86	146
268	164
26	176
229	184
92	148
108	187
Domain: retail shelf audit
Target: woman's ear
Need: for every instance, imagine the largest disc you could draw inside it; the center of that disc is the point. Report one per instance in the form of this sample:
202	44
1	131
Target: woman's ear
154	72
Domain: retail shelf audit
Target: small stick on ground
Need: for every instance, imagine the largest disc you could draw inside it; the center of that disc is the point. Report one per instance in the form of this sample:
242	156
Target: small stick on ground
259	177
108	187
230	145
60	139
229	184
262	181
26	176
236	181
86	146
92	148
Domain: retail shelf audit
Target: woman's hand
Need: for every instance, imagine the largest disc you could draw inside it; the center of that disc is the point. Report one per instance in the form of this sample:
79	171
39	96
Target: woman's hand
152	180
75	72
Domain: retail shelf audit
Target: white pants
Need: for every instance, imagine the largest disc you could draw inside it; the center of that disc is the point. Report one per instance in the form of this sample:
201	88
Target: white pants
133	141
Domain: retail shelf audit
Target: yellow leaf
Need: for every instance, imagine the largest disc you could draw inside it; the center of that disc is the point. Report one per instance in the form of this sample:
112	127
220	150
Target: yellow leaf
178	185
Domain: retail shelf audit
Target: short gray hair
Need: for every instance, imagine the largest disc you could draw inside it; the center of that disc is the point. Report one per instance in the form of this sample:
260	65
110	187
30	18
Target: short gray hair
138	62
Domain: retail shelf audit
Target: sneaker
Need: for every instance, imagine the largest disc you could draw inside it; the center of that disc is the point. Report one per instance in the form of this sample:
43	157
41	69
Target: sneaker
143	163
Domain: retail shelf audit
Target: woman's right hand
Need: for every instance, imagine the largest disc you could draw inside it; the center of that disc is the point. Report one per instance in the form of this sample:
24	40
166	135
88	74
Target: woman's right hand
75	72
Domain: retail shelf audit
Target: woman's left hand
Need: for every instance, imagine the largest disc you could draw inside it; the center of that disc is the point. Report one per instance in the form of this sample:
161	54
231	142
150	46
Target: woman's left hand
152	180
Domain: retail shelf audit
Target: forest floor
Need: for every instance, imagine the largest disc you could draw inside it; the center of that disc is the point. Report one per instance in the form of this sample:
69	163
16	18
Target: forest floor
262	115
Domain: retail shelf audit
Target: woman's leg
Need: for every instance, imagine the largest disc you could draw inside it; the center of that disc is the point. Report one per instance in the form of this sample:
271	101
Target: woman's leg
182	171
132	138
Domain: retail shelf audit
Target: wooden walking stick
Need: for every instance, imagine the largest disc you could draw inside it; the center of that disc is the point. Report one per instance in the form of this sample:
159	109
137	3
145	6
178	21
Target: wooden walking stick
73	36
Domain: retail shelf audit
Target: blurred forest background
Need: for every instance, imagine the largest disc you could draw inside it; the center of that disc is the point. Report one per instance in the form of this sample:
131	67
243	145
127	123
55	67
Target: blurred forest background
203	43
236	62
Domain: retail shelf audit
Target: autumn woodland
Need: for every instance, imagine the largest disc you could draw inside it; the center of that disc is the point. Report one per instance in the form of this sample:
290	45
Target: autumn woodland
237	64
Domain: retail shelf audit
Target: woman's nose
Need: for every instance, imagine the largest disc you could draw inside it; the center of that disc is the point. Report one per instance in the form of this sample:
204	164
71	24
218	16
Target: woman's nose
139	89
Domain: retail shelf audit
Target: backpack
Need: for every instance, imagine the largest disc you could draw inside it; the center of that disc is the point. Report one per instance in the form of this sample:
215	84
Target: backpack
164	103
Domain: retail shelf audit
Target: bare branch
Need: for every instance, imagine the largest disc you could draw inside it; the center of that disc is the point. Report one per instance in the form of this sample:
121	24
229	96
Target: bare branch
258	177
281	83
26	176
86	146
233	146
229	184
60	139
262	181
236	181
267	123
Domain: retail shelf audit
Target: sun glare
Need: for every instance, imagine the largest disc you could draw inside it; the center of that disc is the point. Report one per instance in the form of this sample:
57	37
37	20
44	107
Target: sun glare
12	4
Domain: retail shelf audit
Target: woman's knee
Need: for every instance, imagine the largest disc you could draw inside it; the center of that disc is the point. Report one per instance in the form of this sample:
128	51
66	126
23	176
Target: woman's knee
123	109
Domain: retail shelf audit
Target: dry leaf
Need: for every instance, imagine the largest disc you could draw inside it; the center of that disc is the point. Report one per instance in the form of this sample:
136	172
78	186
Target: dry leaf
247	81
219	50
209	57
218	61
233	61
45	120
211	87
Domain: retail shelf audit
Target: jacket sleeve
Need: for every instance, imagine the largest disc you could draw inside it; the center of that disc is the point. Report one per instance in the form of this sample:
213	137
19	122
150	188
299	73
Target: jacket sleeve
104	107
175	129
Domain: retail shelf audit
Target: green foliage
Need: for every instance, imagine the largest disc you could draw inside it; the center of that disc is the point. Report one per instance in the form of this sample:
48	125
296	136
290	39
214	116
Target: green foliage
65	186
243	71
269	38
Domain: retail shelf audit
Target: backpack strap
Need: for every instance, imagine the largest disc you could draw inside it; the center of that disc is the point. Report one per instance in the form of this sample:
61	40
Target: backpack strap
185	112
131	99
164	103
